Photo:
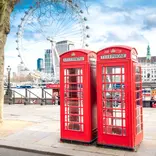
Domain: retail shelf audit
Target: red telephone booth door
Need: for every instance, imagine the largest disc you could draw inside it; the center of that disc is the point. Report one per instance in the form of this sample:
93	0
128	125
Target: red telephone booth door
73	109
113	126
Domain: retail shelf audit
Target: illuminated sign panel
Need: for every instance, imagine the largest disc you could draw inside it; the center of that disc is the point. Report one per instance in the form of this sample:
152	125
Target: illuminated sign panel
113	56
70	59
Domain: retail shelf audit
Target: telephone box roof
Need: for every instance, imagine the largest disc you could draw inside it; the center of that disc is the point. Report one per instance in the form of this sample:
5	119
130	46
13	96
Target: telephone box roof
78	50
119	46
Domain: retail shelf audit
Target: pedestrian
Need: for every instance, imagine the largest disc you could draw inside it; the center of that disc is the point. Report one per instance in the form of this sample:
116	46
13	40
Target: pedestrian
152	101
58	99
53	99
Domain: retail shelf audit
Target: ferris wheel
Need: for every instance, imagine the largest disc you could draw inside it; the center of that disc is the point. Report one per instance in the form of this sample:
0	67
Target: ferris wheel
45	24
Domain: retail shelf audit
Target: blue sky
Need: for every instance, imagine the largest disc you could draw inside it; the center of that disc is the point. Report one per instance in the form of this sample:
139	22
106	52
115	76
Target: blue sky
111	22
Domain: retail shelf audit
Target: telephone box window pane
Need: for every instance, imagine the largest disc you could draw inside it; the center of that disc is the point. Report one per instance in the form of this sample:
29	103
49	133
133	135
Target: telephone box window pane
103	78
109	86
137	70
116	78
118	113
103	70
104	129
108	79
113	70
75	86
72	103
72	79
73	71
123	78
124	123
106	87
138	78
138	86
117	130
72	94
123	70
74	126
124	131
138	99
109	104
138	95
65	71
113	99
117	122
73	99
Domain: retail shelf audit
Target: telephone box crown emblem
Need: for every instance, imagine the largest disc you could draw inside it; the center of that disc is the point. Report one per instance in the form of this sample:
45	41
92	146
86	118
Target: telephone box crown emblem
73	54
113	51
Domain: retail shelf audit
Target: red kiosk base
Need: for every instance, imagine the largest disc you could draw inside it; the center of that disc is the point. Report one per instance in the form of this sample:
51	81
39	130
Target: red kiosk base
79	142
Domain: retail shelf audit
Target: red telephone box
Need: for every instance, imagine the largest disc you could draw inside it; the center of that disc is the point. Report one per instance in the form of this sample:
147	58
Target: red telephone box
78	96
119	100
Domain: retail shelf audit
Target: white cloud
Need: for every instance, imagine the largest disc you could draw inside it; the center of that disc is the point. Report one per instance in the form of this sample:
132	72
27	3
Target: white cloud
109	25
122	27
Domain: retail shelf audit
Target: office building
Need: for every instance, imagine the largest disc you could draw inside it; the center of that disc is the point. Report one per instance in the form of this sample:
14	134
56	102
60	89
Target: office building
64	46
48	62
40	64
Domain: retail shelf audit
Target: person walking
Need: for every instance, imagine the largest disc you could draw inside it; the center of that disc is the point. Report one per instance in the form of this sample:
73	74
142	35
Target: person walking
152	101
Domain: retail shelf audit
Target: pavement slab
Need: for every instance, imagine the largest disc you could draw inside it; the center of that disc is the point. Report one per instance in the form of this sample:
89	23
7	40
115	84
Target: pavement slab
37	128
9	127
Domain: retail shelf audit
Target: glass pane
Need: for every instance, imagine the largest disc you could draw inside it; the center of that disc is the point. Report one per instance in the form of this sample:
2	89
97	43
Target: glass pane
73	90
74	126
138	86
113	99
138	94
109	104
138	70
103	70
116	78
123	78
123	70
113	70
118	122
138	78
103	78
65	72
117	130
75	86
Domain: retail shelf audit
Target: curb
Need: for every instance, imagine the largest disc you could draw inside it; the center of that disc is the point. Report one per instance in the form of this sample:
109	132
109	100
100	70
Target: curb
32	150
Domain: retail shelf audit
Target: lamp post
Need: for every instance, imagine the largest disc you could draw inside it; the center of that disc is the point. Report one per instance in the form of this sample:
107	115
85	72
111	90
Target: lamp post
8	87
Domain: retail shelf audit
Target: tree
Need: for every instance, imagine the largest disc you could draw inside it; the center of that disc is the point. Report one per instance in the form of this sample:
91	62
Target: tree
6	8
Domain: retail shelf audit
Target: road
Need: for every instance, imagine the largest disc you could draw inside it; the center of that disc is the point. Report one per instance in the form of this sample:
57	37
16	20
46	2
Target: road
11	152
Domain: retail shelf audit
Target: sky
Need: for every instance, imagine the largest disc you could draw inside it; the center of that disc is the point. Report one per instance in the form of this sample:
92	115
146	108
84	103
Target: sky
111	22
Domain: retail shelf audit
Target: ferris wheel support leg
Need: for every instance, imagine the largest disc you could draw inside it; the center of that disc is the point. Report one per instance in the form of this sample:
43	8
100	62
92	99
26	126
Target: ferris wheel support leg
57	54
54	65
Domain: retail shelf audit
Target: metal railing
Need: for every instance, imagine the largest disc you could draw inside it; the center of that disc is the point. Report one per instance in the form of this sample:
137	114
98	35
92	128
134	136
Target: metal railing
28	97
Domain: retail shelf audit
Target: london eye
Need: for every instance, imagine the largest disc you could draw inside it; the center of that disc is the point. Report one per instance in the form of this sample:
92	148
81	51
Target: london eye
45	24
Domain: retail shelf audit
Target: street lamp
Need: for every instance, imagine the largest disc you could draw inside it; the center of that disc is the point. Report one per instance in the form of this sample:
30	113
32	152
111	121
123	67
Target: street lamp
8	87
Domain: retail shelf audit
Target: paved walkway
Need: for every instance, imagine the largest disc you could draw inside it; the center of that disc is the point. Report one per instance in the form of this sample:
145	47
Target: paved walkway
36	128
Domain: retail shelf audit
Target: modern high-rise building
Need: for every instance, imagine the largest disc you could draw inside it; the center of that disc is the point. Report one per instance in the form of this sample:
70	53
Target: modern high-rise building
40	66
22	70
148	65
64	46
48	61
